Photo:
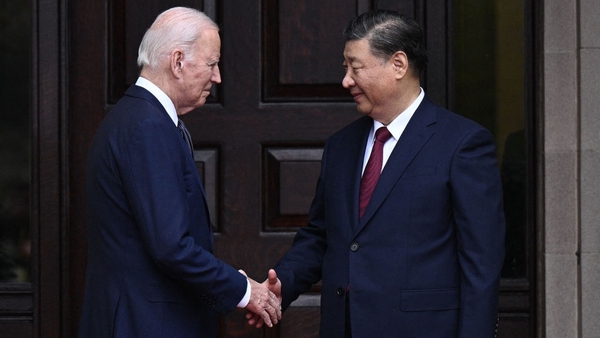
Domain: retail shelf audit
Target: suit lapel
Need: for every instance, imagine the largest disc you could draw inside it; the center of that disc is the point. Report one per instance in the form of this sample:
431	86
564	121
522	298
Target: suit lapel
415	136
355	143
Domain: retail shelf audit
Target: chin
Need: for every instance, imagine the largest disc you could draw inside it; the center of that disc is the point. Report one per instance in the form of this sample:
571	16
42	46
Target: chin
203	98
201	102
363	111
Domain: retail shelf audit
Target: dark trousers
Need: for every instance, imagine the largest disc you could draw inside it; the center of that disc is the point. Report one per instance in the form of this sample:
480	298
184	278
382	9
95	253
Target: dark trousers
347	326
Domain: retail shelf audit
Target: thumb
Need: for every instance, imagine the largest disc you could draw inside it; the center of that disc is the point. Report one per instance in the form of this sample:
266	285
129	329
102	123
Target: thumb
272	276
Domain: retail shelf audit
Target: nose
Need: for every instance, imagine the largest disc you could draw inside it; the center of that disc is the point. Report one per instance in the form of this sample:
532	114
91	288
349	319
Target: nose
347	81
216	76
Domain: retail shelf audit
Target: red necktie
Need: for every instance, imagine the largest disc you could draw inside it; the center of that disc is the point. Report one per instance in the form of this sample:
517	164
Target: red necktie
373	169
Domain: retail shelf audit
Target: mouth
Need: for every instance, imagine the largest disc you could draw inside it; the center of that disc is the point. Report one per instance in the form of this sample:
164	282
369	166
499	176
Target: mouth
356	96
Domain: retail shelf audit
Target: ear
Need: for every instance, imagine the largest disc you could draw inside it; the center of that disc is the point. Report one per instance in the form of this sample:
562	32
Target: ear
400	64
176	62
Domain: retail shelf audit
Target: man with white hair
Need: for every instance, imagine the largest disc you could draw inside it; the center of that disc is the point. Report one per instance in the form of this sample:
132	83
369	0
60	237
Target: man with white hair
151	271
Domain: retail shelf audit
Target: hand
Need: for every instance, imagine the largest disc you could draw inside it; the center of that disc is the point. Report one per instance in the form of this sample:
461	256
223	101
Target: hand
264	305
274	285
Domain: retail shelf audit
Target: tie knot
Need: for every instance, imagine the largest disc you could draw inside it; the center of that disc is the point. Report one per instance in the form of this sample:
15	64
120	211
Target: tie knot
382	135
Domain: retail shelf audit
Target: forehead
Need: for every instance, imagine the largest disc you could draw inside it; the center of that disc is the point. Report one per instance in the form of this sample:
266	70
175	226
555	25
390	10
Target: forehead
209	43
357	50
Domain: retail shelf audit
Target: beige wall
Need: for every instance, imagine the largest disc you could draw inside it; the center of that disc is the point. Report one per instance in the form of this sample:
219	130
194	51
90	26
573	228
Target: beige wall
570	158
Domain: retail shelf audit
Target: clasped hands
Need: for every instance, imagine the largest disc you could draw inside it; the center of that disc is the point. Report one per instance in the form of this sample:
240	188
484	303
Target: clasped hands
264	306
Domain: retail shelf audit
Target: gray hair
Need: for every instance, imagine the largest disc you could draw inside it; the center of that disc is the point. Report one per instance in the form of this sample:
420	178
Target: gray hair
178	27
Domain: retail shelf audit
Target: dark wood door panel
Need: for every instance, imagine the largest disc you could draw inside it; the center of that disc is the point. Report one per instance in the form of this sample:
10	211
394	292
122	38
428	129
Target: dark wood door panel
16	328
259	139
515	325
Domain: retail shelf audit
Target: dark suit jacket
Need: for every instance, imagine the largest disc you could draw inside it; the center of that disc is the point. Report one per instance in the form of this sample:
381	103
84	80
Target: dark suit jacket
425	259
150	269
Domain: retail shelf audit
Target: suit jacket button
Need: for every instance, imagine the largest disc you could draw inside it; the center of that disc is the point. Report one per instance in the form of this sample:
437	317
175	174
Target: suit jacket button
354	247
340	291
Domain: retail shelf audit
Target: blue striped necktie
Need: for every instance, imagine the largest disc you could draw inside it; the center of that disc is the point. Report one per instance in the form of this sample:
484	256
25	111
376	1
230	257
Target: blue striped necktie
186	136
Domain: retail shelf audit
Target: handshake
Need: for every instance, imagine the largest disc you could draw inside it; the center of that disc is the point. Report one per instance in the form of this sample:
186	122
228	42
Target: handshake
264	306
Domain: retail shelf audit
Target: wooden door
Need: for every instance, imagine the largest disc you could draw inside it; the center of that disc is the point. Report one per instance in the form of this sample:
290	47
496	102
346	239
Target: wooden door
258	140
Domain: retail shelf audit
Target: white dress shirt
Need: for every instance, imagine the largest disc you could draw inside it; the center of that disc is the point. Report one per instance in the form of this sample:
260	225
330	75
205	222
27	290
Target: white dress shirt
396	128
160	96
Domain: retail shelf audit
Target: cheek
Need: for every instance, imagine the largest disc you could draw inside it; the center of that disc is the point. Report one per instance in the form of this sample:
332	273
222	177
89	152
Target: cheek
379	87
370	88
204	76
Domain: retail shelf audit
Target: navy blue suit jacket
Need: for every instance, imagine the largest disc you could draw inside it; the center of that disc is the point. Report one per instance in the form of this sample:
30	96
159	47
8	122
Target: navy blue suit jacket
150	269
425	259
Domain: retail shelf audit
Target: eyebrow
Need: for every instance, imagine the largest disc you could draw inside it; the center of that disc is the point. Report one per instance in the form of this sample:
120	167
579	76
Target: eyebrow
349	58
353	61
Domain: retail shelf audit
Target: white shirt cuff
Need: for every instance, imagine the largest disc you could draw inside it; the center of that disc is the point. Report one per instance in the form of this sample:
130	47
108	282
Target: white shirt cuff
244	302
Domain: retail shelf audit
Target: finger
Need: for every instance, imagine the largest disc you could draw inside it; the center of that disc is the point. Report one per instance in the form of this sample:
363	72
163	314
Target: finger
260	323
273	310
276	307
272	314
254	319
272	277
267	319
273	298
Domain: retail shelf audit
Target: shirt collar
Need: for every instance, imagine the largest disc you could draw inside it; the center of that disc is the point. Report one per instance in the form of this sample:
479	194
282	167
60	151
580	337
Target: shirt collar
164	100
396	127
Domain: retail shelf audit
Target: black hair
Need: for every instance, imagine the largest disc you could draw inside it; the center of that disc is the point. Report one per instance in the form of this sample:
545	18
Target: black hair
389	32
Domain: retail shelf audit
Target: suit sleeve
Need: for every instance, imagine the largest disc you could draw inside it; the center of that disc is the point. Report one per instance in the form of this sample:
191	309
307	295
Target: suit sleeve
154	180
479	219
